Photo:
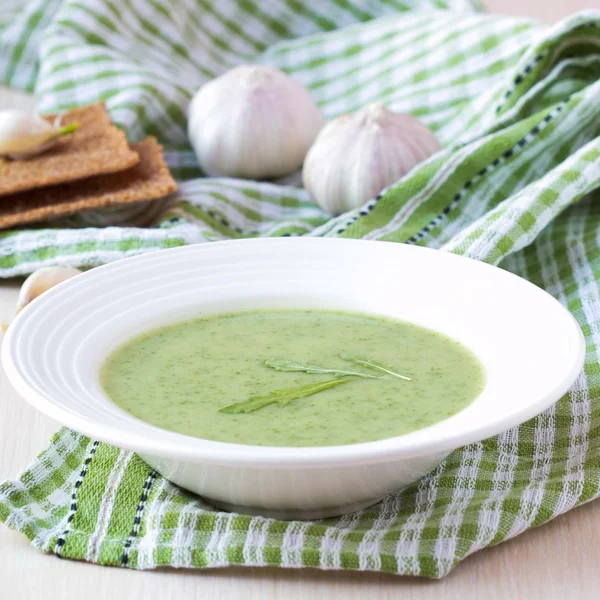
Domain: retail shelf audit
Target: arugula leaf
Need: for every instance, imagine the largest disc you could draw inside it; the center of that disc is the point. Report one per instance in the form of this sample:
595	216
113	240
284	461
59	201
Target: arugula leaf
290	365
281	397
375	366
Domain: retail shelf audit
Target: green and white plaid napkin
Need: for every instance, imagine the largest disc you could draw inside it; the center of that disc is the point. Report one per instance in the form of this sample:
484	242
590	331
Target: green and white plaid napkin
516	105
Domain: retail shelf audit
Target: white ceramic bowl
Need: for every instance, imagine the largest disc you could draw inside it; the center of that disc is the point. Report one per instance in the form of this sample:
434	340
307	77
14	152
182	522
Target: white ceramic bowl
531	347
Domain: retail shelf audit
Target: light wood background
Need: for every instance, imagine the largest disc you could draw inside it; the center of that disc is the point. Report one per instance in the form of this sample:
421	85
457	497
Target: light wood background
559	560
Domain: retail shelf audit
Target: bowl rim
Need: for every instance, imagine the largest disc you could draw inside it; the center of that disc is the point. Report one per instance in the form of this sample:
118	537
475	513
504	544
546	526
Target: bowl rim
199	450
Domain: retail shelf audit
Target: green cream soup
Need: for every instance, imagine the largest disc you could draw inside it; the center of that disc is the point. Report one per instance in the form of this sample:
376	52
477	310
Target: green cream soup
228	378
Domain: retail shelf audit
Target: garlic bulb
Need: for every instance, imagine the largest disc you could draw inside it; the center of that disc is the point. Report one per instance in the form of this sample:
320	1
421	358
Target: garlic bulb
253	122
41	281
357	155
24	134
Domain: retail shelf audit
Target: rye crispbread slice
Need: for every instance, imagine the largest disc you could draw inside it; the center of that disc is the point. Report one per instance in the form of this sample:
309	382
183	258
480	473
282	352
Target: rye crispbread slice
150	179
96	147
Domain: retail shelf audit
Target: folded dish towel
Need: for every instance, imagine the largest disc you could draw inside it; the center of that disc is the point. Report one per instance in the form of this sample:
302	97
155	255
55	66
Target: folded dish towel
517	108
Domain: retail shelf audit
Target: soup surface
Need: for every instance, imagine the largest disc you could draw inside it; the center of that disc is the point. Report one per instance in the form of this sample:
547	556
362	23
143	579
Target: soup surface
182	377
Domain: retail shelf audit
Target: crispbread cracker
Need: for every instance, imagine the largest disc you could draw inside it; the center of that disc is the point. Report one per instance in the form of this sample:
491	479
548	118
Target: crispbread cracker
148	180
96	147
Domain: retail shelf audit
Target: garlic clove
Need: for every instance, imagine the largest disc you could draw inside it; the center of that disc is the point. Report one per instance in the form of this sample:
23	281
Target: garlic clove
41	281
253	122
23	134
356	156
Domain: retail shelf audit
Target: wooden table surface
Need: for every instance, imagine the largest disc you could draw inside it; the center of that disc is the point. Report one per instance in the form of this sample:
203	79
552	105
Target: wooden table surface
558	560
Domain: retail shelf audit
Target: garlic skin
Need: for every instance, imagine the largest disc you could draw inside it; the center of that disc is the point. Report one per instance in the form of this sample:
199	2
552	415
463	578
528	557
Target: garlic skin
253	122
357	155
24	134
41	281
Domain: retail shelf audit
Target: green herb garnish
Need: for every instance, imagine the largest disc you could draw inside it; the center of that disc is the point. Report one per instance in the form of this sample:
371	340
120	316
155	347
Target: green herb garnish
290	365
65	130
375	366
281	397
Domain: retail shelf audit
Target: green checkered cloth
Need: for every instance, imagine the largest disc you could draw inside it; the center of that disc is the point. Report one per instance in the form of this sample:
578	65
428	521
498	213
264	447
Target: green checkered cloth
516	106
